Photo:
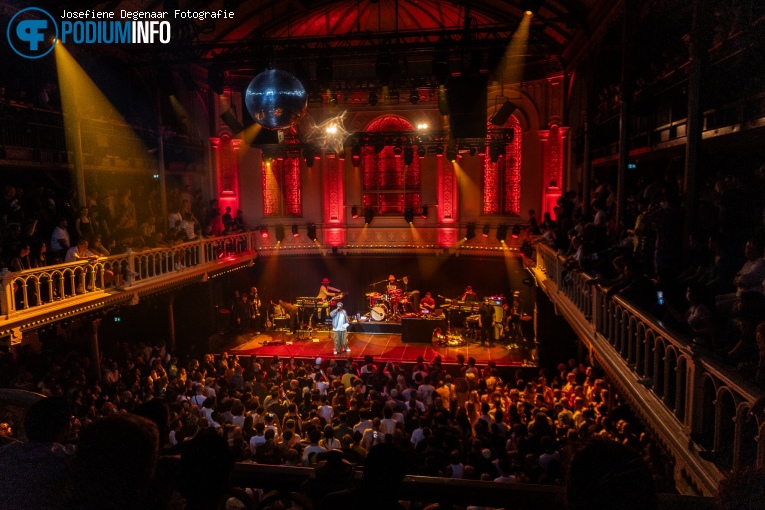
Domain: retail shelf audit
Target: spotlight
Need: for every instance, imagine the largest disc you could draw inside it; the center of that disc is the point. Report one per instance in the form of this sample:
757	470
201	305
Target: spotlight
472	150
451	154
501	233
229	118
439	151
295	232
397	149
421	152
469	232
414	98
373	98
408	155
331	129
379	146
516	231
369	215
424	212
409	215
356	156
530	7
264	232
279	233
422	126
500	116
312	232
486	229
354	212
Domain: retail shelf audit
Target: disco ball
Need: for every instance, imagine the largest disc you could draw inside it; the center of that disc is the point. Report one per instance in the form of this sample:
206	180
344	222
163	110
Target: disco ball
275	99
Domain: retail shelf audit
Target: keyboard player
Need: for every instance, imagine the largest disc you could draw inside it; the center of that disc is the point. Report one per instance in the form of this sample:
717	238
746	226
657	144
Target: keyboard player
326	293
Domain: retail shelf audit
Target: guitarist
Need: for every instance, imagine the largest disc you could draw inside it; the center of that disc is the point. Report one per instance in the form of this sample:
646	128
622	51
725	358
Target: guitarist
340	325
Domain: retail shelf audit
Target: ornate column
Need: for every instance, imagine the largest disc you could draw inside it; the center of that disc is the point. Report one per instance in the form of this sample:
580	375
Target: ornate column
334	200
171	322
226	164
95	356
553	147
447	202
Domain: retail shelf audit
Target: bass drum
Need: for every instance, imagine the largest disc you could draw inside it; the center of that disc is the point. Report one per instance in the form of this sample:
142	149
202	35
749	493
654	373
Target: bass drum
378	312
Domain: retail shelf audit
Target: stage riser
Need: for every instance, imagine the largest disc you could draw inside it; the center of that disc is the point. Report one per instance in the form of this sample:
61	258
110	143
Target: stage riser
389	328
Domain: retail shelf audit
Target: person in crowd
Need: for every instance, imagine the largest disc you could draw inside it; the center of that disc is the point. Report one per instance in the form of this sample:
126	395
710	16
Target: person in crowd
83	225
60	241
39	473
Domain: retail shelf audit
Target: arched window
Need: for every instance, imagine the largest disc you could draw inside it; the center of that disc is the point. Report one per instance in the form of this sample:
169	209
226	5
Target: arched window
502	170
281	187
389	184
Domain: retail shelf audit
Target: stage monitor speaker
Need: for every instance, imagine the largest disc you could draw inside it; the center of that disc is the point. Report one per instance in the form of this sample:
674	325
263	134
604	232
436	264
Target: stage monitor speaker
500	116
420	331
467	98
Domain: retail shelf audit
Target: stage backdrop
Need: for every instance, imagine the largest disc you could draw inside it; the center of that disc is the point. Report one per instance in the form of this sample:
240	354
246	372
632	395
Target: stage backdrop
289	277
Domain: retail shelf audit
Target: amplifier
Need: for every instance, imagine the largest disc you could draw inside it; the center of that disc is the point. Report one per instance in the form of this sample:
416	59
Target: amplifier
281	323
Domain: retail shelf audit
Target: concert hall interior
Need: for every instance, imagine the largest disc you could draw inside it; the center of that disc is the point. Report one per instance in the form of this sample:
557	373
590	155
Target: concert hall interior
555	205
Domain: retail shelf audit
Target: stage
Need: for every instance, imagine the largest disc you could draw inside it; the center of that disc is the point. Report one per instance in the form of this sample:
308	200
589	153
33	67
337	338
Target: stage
381	347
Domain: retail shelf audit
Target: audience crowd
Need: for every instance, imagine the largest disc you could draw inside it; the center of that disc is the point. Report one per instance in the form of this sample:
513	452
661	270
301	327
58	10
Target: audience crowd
457	421
39	227
710	286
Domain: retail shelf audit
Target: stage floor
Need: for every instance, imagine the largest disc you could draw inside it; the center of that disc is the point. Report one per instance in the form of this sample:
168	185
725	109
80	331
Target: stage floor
381	347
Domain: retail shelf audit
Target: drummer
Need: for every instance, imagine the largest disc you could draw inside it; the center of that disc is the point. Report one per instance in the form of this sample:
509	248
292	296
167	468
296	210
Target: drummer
391	287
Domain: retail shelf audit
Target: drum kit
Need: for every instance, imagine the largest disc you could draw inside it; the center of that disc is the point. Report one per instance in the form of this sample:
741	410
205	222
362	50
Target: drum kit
392	305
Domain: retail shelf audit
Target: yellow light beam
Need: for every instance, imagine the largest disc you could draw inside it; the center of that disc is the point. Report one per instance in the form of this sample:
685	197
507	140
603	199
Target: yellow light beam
87	112
512	64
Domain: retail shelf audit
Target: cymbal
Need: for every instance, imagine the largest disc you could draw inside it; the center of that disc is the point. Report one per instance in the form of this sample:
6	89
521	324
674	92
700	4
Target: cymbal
370	294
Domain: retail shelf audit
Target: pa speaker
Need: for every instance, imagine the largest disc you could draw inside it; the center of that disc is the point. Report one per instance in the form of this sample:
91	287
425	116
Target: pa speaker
467	97
231	121
500	116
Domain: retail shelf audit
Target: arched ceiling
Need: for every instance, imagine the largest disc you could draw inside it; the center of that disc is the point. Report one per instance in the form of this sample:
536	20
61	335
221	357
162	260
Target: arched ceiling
282	32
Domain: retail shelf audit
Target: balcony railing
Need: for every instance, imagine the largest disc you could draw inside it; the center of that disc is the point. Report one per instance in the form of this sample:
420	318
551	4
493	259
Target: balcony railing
35	290
690	398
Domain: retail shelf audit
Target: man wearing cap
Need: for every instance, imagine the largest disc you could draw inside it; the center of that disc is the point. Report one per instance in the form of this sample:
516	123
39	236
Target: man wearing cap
427	303
326	292
469	295
340	325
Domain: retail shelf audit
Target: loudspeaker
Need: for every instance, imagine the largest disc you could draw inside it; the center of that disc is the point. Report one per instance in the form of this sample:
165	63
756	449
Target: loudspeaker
467	97
229	118
420	331
500	116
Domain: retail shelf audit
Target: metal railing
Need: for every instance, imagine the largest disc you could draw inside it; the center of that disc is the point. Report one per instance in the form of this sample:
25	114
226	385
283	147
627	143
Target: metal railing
707	400
35	289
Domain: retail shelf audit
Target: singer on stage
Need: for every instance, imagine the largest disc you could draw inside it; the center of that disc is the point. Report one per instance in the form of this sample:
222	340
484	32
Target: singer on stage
340	325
